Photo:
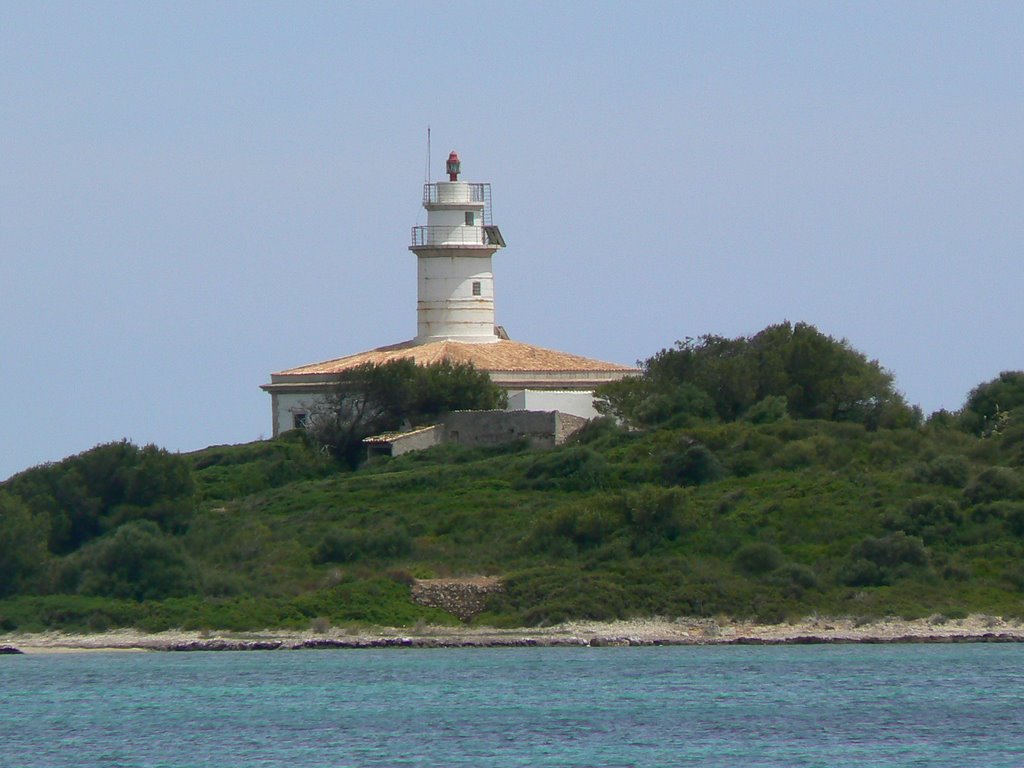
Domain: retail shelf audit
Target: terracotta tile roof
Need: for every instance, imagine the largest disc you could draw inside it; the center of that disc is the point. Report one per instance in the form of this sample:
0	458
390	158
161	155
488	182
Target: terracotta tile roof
502	355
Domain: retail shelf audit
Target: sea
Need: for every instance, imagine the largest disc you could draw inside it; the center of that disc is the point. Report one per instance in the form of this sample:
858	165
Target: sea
861	705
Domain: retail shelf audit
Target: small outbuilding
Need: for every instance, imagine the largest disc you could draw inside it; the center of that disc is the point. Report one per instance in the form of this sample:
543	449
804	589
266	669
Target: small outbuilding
542	429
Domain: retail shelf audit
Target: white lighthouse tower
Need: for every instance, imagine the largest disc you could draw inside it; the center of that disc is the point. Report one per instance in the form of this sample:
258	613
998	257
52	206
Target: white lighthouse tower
455	321
455	285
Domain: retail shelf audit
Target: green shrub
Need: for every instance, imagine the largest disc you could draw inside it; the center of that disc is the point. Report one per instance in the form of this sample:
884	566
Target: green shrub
586	524
878	561
654	515
602	431
71	613
860	572
796	455
892	550
994	484
680	406
231	471
346	545
932	517
757	558
799	575
768	411
1010	513
549	595
951	470
574	467
136	562
753	450
691	464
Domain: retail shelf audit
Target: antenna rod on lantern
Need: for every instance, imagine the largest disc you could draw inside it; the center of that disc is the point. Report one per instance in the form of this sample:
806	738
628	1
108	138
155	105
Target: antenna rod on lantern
428	155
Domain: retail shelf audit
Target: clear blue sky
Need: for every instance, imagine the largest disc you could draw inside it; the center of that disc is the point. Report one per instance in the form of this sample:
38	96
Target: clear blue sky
193	195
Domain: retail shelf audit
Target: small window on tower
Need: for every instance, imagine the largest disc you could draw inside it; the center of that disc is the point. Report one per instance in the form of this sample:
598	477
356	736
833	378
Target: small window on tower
470	218
476	288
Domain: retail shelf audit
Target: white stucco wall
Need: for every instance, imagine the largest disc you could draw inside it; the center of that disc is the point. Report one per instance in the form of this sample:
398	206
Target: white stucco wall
446	306
287	405
451	258
578	403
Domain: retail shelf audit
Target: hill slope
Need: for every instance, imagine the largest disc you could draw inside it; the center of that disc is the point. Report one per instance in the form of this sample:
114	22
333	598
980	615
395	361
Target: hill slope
751	520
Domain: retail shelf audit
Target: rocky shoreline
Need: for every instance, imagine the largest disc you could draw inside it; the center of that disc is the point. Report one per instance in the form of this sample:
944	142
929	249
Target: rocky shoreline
647	632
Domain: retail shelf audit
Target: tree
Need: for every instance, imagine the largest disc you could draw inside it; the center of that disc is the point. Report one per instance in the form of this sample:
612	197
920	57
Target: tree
818	376
988	405
723	368
828	379
22	544
371	399
97	490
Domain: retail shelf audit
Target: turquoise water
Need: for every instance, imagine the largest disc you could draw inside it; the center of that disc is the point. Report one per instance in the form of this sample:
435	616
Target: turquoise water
729	706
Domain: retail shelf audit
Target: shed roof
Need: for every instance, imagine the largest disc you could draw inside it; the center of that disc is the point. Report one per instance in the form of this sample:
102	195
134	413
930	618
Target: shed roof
389	437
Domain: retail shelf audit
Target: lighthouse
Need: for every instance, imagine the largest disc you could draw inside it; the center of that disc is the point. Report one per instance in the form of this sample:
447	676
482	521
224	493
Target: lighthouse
454	280
455	321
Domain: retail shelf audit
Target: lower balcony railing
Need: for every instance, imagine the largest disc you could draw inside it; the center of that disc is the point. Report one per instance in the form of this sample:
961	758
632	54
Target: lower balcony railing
454	235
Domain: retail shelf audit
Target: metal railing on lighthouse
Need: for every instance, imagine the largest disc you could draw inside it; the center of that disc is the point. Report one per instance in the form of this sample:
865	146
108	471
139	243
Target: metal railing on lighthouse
456	235
464	192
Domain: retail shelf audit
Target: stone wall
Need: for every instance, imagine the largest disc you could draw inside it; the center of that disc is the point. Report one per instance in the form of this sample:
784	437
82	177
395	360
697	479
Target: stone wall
566	425
464	598
544	429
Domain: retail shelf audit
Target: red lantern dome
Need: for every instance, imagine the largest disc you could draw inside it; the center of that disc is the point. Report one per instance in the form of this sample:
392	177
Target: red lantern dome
453	166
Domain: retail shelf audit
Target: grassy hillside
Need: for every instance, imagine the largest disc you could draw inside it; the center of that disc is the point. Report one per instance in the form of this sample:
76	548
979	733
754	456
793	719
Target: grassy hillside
766	520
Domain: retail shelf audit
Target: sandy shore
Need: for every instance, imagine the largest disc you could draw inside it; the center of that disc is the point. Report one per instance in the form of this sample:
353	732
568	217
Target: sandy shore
636	632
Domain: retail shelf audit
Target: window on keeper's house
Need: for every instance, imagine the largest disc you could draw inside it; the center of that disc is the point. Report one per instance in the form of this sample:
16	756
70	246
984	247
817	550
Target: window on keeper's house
299	420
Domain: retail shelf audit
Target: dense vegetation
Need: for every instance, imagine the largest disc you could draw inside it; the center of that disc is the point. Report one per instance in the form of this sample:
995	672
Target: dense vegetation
789	370
772	476
371	399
